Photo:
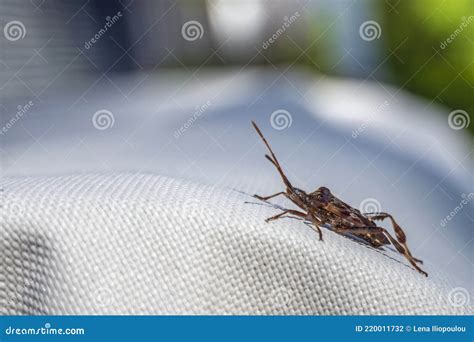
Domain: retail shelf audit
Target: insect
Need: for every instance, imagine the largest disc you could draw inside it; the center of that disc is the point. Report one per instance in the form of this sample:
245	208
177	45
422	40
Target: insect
321	207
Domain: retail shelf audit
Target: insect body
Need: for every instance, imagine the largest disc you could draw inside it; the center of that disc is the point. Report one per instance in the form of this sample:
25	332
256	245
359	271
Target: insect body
321	207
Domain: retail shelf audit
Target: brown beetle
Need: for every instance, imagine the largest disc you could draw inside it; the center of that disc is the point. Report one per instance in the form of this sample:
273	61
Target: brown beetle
321	207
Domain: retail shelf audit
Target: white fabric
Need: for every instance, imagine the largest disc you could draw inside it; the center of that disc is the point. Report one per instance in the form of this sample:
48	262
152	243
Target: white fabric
90	224
145	244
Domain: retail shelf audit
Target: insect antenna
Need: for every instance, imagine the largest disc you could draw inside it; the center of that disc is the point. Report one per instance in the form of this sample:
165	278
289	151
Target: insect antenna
273	159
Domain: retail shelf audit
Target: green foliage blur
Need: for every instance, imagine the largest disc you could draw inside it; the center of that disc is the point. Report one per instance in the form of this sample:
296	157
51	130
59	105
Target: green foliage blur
434	45
426	47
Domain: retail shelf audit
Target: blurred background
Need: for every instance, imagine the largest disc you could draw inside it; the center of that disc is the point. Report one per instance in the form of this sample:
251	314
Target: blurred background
425	47
371	98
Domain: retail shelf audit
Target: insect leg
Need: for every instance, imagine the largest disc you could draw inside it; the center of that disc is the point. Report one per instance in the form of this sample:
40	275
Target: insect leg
395	243
287	211
399	233
268	197
316	225
299	214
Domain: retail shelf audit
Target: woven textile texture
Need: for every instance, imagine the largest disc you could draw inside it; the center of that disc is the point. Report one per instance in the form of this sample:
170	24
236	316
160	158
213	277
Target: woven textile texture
146	244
